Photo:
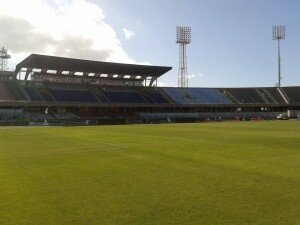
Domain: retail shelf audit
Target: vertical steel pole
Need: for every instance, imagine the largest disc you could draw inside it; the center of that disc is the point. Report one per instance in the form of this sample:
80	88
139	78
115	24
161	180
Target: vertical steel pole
279	66
185	84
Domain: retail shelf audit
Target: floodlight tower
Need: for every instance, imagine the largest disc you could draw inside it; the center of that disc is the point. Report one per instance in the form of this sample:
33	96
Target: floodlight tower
4	56
183	38
279	34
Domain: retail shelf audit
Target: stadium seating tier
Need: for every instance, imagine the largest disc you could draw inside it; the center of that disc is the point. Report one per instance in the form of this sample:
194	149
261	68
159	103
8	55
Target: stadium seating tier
14	91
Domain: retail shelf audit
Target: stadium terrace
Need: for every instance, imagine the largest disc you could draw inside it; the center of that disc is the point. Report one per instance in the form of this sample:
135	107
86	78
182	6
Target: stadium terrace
55	90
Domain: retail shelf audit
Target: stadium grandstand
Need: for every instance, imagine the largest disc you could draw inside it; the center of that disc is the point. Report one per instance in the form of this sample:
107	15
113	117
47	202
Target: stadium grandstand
75	91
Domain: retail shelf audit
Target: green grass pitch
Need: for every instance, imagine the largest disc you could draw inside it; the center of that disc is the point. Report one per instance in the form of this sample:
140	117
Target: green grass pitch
207	173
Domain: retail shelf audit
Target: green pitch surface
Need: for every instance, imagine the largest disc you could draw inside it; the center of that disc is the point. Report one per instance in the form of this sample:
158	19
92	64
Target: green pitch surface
209	173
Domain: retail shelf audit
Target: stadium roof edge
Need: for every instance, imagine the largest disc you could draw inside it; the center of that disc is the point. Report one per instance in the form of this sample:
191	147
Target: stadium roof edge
59	64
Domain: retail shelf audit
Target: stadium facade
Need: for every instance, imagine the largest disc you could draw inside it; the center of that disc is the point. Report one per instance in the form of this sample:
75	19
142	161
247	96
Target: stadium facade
74	91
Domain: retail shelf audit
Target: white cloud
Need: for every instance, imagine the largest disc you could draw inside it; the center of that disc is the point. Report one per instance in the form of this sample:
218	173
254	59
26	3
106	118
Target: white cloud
127	33
192	76
70	28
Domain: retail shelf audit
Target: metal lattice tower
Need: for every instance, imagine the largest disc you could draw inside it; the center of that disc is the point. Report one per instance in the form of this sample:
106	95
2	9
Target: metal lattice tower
279	34
183	35
4	56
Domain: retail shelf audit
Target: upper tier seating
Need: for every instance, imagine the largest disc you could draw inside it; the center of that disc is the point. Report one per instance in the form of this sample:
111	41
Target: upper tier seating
197	95
32	94
4	94
293	94
102	98
274	93
157	97
148	98
123	97
153	96
12	90
46	95
15	90
245	95
73	95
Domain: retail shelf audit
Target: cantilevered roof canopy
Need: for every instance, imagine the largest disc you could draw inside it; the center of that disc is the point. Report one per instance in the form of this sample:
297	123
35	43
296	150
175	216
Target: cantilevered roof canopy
88	67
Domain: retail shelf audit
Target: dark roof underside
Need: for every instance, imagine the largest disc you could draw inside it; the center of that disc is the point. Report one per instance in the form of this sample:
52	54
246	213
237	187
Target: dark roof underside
35	61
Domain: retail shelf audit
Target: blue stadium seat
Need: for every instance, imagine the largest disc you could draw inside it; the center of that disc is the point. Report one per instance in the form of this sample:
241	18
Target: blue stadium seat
158	98
275	94
197	95
73	96
32	94
245	95
149	99
293	93
47	97
124	97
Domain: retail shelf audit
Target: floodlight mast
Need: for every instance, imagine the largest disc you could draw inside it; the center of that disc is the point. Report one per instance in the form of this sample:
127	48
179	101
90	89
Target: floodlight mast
4	56
279	34
183	38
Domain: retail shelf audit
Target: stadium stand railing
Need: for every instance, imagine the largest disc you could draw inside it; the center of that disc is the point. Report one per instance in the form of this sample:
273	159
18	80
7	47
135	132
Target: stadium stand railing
211	115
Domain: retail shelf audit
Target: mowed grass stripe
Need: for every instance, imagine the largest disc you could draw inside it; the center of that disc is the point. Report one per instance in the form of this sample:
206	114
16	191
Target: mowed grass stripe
210	173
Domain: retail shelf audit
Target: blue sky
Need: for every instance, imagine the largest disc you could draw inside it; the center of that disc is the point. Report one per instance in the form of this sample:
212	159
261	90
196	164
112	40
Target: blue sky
231	40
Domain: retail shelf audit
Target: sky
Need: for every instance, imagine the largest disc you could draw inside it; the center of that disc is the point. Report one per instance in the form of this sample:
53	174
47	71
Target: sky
231	44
